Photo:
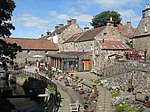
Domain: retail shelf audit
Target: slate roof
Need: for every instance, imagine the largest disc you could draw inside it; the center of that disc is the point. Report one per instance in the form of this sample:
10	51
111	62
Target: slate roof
68	54
33	44
113	45
58	31
74	37
90	34
85	36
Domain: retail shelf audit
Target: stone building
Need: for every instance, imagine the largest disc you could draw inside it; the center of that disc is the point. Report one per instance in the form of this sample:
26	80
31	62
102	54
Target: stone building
106	51
32	49
88	41
63	32
141	39
70	61
82	42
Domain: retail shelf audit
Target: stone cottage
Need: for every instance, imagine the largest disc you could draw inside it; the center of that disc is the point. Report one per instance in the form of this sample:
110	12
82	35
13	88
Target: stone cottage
108	45
141	38
63	32
106	51
83	41
32	49
87	41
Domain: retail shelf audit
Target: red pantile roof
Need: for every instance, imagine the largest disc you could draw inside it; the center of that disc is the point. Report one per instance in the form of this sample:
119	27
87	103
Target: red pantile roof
121	27
33	44
90	34
113	45
128	36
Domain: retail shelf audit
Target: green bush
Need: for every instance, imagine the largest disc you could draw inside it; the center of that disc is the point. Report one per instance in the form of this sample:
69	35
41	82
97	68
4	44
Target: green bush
51	89
50	74
98	81
125	108
115	94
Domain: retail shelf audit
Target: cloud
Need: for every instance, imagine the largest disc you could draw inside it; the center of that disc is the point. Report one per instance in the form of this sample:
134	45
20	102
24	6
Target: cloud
73	11
129	15
30	21
111	4
84	18
56	15
53	13
63	17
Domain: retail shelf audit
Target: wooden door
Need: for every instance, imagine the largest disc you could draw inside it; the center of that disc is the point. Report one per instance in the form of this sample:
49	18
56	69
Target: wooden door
86	65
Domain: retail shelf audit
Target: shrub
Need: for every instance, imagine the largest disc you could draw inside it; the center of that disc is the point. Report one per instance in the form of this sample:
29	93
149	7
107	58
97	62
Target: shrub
51	89
125	108
50	74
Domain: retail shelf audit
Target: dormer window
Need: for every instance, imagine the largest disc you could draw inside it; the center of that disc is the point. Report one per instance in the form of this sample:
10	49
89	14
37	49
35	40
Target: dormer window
28	51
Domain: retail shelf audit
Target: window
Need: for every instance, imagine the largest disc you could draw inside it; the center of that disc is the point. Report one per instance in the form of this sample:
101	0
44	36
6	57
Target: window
145	28
28	51
91	46
104	34
46	52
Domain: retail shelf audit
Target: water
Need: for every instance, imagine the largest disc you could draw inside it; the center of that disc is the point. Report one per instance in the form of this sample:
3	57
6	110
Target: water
18	104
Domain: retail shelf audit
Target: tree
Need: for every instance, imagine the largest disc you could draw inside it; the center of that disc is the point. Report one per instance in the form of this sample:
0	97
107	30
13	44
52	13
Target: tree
8	51
101	19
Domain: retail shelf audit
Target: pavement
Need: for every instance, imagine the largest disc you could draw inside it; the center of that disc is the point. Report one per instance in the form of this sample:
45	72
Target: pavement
104	98
65	101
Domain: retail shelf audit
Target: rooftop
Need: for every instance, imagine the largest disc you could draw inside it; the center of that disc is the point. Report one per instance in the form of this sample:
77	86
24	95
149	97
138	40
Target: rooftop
33	44
113	45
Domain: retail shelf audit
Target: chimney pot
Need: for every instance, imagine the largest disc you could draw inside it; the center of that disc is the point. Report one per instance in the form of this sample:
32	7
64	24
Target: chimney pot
48	33
56	27
71	21
86	28
60	25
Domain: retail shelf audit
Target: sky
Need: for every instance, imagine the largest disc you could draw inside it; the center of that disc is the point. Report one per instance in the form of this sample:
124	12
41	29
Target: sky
32	18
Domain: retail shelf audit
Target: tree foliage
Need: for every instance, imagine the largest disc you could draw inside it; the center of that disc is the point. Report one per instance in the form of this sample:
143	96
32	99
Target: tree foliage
8	51
101	19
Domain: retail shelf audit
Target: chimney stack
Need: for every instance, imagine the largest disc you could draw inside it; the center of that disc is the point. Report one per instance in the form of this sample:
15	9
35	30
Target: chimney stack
48	33
86	28
110	22
71	21
146	12
56	27
128	22
60	25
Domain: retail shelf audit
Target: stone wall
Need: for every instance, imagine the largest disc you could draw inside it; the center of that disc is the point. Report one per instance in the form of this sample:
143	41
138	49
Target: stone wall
69	47
120	73
84	45
140	81
142	44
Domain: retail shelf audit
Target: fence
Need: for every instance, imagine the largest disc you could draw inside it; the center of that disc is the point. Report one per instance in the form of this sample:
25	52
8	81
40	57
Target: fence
30	74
